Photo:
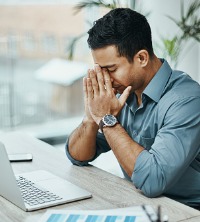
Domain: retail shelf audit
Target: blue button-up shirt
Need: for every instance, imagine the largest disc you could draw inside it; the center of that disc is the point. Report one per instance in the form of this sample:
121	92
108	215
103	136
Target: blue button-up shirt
167	125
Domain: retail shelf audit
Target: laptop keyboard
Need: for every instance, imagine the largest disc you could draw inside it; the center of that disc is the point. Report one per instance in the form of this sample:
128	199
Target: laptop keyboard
34	195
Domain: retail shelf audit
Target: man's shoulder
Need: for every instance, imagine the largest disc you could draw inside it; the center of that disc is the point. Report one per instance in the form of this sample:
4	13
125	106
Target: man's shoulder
180	91
181	86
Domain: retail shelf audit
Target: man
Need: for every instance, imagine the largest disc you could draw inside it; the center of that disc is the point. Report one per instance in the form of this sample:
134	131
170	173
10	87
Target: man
141	109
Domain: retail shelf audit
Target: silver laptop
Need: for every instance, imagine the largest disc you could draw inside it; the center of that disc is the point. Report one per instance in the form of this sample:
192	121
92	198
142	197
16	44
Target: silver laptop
35	190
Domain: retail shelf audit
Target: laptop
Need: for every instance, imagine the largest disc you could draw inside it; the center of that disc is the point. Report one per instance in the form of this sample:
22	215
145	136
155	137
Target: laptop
35	190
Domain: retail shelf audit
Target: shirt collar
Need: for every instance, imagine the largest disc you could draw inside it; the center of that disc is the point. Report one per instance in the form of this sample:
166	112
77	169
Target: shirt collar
156	86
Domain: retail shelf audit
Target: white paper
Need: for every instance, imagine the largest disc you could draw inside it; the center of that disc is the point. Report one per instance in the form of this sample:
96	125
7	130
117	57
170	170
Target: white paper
131	214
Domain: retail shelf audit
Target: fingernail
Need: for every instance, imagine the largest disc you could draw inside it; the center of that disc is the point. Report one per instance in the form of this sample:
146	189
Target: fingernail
97	67
105	70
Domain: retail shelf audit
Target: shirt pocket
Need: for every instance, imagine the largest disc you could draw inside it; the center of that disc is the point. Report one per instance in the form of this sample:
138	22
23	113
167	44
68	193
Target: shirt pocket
146	142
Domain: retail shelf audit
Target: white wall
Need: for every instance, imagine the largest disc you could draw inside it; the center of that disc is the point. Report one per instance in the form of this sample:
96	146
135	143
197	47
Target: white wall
161	25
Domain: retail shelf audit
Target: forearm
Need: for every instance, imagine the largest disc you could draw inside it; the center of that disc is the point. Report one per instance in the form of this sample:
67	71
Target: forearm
124	148
82	142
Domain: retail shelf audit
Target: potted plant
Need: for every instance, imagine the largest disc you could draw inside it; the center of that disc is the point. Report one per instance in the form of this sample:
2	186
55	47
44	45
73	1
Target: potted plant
169	48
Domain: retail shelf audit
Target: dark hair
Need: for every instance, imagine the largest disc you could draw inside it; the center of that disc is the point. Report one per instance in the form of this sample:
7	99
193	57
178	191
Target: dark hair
128	30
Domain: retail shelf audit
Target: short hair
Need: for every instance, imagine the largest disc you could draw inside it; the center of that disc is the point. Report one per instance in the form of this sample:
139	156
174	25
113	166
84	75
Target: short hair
124	28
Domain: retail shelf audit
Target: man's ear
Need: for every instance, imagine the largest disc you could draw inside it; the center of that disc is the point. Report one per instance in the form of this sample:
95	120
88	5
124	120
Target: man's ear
142	57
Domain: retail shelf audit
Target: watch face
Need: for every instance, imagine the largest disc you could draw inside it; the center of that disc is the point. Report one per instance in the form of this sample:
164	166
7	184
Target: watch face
109	120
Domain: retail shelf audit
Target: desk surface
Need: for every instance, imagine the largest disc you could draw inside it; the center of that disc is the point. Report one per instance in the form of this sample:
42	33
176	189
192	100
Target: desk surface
108	191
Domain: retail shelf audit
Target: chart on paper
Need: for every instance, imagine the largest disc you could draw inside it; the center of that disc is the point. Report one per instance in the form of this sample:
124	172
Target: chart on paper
133	214
89	218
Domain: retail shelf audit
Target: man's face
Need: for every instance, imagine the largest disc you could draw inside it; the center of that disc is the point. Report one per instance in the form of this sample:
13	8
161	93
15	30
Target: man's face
122	72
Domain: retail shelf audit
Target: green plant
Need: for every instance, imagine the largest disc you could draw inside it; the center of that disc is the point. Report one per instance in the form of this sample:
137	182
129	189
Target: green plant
112	4
97	3
190	21
88	4
169	48
72	46
189	28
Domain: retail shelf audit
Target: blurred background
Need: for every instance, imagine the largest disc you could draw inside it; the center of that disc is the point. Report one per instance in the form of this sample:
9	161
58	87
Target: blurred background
44	55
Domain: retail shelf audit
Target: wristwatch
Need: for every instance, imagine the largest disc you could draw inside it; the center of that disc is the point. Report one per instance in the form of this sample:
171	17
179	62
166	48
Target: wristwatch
107	121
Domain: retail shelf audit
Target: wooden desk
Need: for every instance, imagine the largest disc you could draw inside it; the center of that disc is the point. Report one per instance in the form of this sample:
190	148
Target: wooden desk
108	191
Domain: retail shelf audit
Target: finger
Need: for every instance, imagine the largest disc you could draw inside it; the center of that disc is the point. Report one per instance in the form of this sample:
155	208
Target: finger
115	91
85	90
107	81
95	84
100	78
124	96
89	89
85	87
88	73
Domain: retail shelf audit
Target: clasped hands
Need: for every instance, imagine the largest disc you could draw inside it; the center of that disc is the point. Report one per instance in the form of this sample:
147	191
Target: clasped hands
99	95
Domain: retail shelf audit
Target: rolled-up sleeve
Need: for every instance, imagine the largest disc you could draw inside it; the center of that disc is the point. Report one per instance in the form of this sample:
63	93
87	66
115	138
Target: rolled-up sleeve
101	147
176	145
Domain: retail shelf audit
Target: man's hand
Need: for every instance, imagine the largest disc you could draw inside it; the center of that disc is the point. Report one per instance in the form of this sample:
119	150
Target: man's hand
101	98
88	116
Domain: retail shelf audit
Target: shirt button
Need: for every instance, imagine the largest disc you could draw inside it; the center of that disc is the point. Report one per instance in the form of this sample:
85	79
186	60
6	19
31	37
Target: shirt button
134	133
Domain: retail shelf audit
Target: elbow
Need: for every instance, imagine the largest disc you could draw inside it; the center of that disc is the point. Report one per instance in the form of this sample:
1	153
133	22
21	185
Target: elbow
149	176
72	160
152	187
152	193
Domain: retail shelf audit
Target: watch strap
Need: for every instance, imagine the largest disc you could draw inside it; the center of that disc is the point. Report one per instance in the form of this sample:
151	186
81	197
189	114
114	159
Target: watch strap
102	124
